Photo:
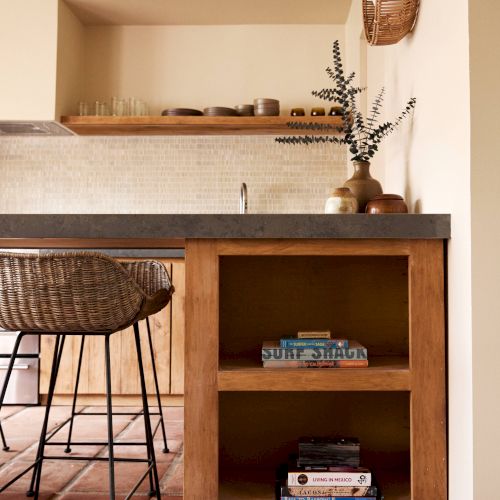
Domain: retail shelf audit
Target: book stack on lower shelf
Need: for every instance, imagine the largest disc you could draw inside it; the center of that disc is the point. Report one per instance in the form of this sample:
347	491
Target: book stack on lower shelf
314	350
327	469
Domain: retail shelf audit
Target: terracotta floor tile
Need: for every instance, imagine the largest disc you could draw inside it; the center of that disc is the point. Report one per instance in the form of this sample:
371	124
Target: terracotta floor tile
140	452
84	480
95	478
174	429
76	451
174	413
21	496
55	475
93	428
82	496
28	422
10	410
172	482
17	445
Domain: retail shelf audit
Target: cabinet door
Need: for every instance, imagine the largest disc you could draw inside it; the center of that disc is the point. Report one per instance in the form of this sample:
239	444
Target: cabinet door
124	371
178	319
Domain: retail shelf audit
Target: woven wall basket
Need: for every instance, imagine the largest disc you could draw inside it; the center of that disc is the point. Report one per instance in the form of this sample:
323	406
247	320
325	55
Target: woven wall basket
388	21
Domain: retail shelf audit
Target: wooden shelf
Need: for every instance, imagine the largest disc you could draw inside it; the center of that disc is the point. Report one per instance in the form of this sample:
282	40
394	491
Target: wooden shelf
384	374
194	125
257	484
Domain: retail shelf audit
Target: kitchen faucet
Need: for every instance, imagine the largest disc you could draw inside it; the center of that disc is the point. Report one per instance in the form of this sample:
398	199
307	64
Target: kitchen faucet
243	199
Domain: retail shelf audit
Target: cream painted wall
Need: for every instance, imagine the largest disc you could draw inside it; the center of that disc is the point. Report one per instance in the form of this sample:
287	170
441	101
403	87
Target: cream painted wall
428	161
485	184
70	57
28	47
200	66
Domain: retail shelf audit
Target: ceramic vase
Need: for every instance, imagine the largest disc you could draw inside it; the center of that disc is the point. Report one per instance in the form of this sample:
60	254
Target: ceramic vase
341	201
362	185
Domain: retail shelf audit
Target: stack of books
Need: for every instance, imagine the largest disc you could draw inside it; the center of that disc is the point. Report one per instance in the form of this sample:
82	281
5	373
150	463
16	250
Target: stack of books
327	469
314	350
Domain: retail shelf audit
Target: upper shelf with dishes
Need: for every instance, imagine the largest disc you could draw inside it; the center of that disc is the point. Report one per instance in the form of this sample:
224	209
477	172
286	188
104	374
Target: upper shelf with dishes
204	67
220	54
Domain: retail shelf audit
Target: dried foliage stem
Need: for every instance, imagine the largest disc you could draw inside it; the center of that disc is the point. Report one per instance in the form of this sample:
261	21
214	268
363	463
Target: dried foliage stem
361	137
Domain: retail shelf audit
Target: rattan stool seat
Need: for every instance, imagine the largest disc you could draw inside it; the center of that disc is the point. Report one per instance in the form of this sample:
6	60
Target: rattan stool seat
76	292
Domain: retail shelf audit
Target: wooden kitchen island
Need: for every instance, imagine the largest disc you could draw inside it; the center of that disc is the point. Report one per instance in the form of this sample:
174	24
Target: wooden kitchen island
376	279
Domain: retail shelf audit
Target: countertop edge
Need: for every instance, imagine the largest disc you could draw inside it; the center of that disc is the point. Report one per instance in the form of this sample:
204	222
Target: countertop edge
225	226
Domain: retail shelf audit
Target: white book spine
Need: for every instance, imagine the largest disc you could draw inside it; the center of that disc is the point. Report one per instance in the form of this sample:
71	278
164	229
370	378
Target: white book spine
329	479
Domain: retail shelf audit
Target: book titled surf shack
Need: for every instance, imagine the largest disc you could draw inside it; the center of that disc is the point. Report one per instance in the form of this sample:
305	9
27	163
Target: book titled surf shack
271	351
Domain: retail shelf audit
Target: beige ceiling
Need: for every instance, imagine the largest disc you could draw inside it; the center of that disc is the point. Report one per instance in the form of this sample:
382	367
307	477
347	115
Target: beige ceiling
160	12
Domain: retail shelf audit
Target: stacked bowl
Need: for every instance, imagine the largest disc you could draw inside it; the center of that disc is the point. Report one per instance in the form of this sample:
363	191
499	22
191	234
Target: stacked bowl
219	111
266	107
244	109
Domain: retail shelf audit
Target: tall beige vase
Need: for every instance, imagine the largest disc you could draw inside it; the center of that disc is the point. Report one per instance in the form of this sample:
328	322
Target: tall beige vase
362	185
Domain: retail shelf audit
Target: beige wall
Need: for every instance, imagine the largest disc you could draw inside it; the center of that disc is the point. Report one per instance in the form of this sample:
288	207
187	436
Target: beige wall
485	184
200	66
70	57
28	45
428	161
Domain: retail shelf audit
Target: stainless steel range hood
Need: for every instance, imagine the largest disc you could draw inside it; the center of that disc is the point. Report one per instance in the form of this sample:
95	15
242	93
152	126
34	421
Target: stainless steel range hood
32	129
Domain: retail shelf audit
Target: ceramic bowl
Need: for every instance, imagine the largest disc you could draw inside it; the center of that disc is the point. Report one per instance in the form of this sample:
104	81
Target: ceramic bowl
387	204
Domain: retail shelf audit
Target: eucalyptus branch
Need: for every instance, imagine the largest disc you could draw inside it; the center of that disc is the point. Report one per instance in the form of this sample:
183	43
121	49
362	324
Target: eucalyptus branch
362	137
310	139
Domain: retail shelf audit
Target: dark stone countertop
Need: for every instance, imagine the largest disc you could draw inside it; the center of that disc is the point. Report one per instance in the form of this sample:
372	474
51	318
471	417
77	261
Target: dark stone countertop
184	226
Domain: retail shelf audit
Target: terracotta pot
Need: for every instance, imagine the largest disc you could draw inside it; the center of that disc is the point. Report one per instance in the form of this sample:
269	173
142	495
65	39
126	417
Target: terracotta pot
362	185
341	201
387	204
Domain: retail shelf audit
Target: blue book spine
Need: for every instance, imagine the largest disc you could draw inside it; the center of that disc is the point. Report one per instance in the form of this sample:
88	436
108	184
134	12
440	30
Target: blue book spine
293	342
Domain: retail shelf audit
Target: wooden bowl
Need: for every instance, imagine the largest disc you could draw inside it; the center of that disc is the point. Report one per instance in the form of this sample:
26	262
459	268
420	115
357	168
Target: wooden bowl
387	204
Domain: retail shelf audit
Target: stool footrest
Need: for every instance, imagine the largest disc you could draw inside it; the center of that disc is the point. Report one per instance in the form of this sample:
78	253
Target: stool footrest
95	443
101	459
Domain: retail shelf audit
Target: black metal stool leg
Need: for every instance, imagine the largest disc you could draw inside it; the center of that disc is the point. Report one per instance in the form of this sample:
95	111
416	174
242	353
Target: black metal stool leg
5	447
37	471
157	388
147	418
109	405
75	395
6	382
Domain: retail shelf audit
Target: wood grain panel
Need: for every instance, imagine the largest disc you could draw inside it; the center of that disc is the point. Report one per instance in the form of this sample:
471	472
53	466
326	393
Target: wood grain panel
194	125
383	374
201	396
428	368
47	343
313	247
363	298
178	328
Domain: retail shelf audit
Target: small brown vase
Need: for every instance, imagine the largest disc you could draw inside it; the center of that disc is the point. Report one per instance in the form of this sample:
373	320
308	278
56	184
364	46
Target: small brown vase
363	186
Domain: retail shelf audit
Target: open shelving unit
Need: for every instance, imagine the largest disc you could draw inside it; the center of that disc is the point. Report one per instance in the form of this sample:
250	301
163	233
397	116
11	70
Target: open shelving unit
389	296
196	125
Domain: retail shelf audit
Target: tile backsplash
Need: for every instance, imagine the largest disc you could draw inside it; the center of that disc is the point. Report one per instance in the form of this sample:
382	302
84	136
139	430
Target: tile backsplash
165	175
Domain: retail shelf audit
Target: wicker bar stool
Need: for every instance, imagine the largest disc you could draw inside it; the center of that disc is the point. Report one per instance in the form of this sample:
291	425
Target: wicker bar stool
152	277
77	294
